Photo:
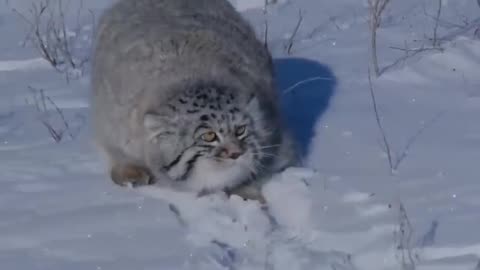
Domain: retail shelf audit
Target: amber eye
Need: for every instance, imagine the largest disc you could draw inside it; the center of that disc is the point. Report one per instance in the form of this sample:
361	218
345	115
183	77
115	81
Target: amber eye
209	136
240	130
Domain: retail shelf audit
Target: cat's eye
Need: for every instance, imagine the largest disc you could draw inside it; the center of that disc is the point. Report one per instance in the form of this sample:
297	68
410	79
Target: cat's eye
239	131
209	136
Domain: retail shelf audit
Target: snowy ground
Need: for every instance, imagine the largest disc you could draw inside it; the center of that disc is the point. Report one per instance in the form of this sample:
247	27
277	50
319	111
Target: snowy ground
344	210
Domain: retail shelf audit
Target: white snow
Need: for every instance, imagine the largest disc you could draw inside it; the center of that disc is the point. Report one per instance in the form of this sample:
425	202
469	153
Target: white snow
342	210
26	65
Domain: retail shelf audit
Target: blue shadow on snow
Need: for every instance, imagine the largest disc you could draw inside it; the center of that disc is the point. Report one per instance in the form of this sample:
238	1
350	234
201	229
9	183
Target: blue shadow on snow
305	89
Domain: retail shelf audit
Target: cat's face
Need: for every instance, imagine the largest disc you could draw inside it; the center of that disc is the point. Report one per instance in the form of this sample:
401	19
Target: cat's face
213	139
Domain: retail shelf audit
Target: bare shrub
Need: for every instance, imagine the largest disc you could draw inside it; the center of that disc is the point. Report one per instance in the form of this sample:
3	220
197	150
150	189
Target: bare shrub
395	159
459	28
54	40
434	43
435	39
409	52
376	8
404	241
56	123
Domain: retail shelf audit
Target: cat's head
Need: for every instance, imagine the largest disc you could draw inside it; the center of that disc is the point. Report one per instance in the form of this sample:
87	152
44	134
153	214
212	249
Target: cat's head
212	136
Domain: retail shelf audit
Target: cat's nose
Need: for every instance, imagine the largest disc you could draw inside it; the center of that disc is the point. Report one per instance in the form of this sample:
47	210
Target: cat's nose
231	152
235	155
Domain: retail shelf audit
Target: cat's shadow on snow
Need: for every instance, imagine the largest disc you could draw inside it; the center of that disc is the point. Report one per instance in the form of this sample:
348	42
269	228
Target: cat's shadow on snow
305	89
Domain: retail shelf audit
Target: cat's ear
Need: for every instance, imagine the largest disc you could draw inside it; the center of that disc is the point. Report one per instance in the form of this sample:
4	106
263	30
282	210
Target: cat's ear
157	124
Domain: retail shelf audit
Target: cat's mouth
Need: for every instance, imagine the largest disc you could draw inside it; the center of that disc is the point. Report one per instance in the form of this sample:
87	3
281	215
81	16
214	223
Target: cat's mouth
228	162
213	173
245	160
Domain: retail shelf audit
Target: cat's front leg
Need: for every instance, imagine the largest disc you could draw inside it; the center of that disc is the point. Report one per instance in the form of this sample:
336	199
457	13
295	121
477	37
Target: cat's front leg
248	191
131	174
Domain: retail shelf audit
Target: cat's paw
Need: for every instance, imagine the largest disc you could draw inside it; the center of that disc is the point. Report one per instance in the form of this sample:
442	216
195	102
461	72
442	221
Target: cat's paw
131	175
248	192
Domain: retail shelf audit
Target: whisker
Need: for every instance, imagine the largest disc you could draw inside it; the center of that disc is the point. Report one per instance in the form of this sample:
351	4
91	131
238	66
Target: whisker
218	158
270	146
249	167
260	165
264	154
256	118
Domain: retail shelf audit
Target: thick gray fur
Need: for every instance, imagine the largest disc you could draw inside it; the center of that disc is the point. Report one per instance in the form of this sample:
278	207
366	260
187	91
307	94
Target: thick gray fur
149	53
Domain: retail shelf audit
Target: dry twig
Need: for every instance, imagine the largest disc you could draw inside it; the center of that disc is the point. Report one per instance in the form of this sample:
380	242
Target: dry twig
308	80
403	237
435	28
291	40
386	143
376	8
396	159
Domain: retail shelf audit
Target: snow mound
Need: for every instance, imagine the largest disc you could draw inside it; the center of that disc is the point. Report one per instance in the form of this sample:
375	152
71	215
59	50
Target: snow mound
238	234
